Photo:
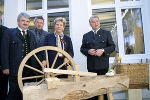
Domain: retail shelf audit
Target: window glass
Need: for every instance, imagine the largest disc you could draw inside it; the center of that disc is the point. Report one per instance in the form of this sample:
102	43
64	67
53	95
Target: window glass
132	31
2	10
31	25
129	0
2	5
52	4
33	4
51	18
108	22
97	2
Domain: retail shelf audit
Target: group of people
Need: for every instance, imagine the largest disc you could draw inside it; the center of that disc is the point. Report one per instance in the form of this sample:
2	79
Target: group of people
16	43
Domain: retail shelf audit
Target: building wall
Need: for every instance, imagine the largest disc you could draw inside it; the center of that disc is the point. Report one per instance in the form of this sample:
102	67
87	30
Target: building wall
80	11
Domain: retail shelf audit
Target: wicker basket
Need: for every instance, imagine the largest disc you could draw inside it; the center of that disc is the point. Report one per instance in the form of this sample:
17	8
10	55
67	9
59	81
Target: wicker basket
138	74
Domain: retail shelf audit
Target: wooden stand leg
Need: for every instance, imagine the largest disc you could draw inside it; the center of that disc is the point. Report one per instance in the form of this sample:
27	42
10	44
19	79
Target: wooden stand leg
110	96
101	97
69	68
77	77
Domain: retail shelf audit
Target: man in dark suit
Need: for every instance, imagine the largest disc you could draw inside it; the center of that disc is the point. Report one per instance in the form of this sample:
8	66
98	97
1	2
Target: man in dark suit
3	77
97	45
40	36
16	44
38	31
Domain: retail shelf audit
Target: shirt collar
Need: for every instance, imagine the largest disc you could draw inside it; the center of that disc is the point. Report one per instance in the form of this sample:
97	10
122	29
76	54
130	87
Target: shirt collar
62	34
96	30
22	30
38	31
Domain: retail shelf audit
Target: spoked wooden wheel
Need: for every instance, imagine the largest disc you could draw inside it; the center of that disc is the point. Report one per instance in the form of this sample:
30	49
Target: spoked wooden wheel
34	54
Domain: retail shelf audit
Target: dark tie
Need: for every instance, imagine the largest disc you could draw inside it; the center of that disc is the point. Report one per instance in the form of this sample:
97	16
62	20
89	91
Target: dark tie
94	35
24	35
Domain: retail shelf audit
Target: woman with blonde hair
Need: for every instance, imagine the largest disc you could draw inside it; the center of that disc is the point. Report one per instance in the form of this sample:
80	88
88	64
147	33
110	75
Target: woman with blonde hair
60	40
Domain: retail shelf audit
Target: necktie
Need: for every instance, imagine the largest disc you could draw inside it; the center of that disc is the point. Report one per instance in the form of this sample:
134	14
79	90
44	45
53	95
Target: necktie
59	45
24	35
94	35
59	42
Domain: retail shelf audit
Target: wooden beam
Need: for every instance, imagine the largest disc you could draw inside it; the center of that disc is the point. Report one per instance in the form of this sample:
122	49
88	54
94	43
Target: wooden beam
48	70
86	88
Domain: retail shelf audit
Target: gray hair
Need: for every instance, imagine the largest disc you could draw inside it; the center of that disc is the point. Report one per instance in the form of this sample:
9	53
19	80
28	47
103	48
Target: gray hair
93	17
38	17
63	20
23	15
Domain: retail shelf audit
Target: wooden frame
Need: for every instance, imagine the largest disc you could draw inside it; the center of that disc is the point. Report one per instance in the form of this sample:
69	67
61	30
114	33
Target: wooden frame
33	53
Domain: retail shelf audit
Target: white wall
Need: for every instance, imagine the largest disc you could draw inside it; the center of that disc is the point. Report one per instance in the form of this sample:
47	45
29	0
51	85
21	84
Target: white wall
146	26
80	13
11	10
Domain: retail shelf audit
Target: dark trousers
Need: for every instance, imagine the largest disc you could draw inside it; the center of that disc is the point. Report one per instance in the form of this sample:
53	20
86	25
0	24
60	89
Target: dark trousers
14	90
3	85
99	72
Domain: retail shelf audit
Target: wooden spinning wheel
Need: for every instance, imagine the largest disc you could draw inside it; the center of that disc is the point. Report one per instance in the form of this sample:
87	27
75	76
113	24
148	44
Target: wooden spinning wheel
78	88
48	69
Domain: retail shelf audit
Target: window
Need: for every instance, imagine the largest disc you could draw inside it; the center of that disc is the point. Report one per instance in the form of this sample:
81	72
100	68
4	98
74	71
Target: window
52	4
51	18
51	11
97	2
2	10
2	5
33	4
129	0
132	31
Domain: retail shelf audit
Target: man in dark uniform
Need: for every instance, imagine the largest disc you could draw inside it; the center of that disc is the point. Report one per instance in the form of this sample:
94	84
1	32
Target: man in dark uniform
40	37
97	45
3	77
38	31
16	43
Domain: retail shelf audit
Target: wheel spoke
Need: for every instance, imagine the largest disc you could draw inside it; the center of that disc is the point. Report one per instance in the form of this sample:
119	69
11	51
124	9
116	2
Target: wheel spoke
40	82
62	65
38	60
43	74
32	77
55	60
33	69
47	62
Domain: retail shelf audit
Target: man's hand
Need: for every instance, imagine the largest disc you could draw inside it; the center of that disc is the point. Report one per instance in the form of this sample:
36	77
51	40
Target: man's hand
6	71
66	61
44	63
92	52
99	52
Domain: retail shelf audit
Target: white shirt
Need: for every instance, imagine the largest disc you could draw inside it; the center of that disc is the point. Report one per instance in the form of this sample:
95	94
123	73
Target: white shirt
96	31
22	30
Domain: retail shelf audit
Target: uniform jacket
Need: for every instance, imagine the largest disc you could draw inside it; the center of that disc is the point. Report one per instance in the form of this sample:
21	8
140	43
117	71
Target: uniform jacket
50	40
2	29
12	51
40	38
102	40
